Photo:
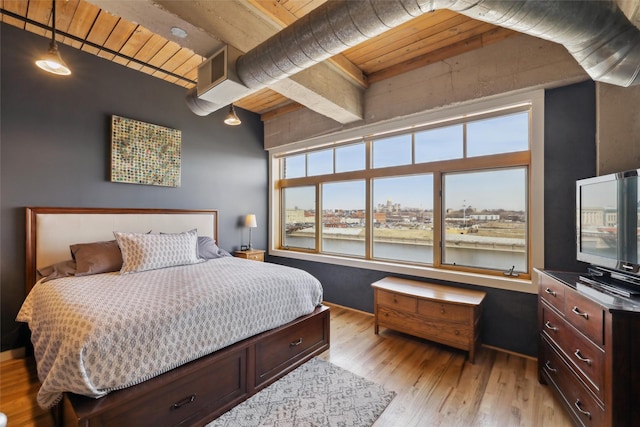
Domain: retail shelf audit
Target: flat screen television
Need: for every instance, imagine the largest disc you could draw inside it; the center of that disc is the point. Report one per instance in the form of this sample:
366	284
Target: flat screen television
607	210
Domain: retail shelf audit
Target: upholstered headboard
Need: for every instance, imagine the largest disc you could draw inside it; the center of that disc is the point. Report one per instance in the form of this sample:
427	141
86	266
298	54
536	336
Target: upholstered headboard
51	230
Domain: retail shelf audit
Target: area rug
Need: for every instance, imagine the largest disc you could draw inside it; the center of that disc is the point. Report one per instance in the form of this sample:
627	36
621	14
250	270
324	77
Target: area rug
317	393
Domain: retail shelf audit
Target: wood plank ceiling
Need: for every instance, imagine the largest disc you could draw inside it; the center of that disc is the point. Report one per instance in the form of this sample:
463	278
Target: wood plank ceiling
424	40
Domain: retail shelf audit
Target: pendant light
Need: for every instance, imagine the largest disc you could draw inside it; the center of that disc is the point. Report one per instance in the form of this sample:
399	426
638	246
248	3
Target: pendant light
232	119
52	61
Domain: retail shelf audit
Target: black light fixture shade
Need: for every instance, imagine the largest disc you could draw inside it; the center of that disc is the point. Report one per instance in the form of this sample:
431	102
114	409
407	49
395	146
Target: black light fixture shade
52	61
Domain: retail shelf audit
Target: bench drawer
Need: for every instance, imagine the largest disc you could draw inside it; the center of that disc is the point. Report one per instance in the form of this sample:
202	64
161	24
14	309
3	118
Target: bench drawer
444	311
399	302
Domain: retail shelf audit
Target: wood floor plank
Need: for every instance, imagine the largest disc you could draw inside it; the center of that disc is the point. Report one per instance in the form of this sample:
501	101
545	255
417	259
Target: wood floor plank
436	386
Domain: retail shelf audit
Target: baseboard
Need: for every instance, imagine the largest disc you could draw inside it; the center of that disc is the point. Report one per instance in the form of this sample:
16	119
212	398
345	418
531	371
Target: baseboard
16	353
525	356
502	350
331	304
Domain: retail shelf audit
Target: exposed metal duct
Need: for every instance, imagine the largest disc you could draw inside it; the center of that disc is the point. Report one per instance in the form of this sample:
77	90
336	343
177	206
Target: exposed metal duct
326	31
596	33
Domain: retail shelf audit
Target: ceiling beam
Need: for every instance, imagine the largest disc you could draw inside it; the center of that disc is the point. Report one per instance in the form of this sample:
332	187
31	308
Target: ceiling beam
241	25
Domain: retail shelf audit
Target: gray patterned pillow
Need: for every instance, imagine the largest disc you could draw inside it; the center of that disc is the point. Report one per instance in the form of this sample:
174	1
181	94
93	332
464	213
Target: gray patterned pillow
142	252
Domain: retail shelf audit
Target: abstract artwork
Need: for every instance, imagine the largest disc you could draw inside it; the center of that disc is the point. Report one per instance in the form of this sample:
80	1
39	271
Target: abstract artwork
144	153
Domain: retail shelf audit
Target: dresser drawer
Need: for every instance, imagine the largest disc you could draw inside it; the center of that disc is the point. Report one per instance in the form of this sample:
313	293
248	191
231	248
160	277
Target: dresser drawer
586	315
552	291
587	358
400	302
188	400
444	311
583	406
290	344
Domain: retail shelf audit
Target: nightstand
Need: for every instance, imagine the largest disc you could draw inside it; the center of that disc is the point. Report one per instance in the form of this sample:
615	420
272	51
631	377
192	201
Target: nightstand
252	254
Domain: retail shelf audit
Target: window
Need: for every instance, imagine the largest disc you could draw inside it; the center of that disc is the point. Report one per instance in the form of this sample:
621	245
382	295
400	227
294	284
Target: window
485	219
403	218
320	162
443	143
299	220
392	151
343	218
504	134
450	195
294	166
350	158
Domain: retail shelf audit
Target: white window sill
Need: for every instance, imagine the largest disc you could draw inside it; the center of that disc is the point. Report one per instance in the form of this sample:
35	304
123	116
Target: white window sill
507	283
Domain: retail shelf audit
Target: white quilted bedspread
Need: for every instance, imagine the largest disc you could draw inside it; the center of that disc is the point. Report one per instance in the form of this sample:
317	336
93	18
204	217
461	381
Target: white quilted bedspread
95	334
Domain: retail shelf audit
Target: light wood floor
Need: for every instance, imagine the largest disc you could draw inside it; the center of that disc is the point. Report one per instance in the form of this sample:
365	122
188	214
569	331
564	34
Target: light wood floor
435	386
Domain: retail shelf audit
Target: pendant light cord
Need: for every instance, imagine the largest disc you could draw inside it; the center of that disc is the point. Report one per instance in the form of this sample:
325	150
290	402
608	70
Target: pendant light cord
53	26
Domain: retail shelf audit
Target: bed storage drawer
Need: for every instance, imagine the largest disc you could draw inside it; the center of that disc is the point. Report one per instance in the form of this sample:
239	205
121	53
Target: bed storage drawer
184	401
196	393
288	346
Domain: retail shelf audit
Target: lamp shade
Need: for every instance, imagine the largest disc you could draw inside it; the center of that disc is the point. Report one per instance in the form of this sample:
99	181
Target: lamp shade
250	221
232	118
52	61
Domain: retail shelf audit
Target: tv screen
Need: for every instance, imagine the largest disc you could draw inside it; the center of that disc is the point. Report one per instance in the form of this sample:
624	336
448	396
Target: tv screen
607	221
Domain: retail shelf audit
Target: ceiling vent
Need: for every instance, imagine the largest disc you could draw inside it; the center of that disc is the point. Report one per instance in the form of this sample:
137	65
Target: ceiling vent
218	82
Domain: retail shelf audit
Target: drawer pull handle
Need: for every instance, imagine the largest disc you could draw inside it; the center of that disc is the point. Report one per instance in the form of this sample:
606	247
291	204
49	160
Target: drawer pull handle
549	368
295	343
550	292
547	325
582	358
577	311
578	406
184	401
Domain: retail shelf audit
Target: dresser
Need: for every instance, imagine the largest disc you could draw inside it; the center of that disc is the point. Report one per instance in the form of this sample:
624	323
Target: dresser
443	314
589	350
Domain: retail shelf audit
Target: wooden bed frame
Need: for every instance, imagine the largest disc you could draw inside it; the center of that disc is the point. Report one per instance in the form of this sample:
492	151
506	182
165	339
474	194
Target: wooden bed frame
199	391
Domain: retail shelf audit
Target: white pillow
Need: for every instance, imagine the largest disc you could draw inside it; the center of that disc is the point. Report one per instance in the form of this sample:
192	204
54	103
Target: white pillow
142	251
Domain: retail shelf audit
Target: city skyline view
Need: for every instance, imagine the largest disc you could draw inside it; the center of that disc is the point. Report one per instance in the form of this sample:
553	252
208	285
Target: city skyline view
491	189
484	190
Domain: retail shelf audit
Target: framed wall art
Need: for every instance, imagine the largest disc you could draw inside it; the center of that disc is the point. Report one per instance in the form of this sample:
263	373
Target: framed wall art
144	153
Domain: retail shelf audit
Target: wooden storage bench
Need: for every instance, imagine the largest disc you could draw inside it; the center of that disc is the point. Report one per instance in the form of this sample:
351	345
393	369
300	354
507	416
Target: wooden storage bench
443	314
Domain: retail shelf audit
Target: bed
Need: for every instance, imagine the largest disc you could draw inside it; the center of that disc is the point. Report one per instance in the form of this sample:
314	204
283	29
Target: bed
169	337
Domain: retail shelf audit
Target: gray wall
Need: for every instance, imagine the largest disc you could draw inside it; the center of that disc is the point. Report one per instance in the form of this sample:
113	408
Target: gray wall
509	319
569	155
55	151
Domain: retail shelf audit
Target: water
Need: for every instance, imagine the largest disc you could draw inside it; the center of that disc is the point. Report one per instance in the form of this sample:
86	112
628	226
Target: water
419	253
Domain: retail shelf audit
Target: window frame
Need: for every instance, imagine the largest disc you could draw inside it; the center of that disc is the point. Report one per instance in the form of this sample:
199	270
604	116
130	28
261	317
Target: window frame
532	160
